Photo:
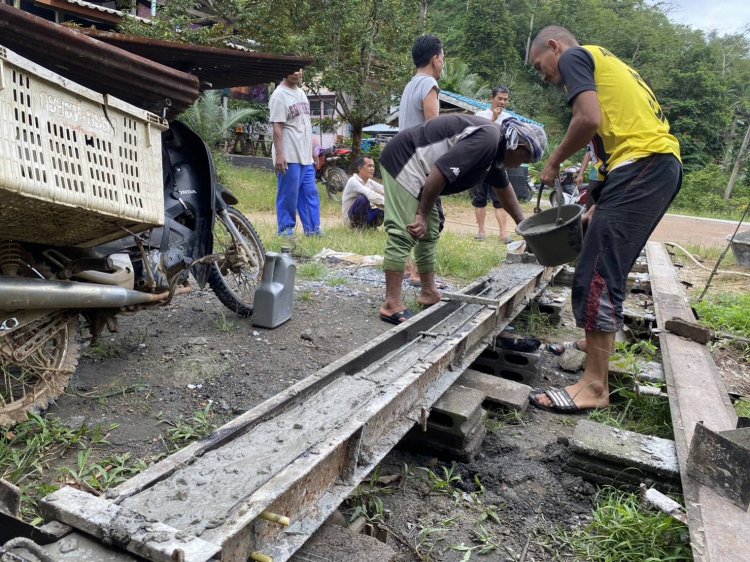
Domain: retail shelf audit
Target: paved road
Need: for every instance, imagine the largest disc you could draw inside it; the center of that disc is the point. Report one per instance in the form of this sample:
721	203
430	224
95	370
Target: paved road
672	228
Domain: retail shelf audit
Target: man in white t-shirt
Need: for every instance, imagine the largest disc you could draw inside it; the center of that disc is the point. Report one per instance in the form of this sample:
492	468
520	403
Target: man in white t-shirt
483	193
362	201
289	112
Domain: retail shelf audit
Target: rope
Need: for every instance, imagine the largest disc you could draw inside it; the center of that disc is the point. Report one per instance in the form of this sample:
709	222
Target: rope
703	266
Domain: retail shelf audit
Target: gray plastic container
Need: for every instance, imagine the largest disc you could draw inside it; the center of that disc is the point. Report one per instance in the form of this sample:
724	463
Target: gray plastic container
741	248
274	297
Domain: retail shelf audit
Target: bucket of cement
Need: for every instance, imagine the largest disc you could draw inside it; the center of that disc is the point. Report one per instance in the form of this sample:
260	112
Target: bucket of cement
552	243
741	248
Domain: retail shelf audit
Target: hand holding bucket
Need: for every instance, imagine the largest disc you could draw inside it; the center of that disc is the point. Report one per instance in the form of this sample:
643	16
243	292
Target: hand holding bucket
555	235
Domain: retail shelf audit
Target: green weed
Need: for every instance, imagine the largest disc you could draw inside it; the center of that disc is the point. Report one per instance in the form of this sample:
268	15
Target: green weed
198	426
498	420
103	475
486	543
305	296
442	483
536	323
726	312
226	322
648	415
28	449
622	530
630	357
312	270
742	407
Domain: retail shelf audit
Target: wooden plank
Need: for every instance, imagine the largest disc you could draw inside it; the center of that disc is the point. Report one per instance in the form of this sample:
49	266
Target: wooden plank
126	529
719	530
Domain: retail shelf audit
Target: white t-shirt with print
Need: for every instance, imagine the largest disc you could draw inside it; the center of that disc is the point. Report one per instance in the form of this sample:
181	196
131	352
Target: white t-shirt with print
291	107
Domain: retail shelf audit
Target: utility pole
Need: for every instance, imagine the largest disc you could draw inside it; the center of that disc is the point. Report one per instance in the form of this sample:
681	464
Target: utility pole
737	164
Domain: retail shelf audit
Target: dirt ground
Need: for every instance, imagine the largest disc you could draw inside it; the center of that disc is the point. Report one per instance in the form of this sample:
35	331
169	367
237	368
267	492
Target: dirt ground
170	363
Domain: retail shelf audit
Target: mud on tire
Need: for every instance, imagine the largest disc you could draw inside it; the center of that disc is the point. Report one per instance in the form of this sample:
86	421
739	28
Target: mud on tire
232	278
32	383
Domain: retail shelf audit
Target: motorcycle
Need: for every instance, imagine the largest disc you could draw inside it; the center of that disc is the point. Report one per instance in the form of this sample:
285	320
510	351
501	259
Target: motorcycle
45	288
572	194
333	178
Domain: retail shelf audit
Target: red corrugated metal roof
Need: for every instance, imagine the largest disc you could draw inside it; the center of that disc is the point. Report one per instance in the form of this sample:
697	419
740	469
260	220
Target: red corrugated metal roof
216	68
97	65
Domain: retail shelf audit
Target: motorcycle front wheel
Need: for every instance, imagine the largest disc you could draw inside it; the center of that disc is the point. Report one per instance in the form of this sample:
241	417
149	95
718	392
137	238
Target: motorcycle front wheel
36	363
335	180
233	278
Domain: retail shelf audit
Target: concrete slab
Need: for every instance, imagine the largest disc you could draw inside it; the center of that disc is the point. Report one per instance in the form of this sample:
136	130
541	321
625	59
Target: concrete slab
497	391
625	448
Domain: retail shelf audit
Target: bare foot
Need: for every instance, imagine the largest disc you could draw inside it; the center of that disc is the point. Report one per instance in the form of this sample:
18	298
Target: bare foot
429	296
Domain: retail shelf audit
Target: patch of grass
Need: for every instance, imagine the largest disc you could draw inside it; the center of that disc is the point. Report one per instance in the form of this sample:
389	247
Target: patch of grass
305	296
103	349
225	322
630	357
337	281
648	415
536	323
498	420
742	407
622	530
103	475
28	449
198	426
444	482
726	312
312	270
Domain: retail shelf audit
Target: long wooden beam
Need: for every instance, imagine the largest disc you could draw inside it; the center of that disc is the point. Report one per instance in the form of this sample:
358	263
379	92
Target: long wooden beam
719	530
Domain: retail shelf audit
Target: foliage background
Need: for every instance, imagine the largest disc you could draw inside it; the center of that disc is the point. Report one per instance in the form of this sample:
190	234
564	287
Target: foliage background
362	52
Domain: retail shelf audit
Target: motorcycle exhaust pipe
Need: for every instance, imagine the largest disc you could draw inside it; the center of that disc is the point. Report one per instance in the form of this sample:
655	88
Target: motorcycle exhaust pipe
29	294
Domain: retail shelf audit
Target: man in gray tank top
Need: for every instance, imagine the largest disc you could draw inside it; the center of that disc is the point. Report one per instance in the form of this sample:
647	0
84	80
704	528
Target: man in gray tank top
419	102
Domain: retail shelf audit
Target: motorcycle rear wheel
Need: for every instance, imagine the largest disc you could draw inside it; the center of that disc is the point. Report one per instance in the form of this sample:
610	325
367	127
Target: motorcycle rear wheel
30	384
335	180
232	278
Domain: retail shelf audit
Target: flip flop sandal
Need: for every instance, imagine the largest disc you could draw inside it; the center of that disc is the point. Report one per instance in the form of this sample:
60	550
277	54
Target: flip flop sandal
559	348
562	403
397	318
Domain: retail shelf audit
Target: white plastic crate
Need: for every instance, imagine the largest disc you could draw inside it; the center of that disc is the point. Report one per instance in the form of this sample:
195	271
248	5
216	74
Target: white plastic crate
76	167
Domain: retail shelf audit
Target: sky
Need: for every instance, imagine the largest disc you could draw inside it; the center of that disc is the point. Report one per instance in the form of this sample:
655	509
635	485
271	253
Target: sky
725	16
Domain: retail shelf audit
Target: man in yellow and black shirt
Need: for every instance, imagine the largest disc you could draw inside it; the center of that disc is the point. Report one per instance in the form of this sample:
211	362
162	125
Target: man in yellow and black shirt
615	110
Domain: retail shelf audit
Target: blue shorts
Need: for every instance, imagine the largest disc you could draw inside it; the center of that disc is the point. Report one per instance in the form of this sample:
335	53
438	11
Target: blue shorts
631	203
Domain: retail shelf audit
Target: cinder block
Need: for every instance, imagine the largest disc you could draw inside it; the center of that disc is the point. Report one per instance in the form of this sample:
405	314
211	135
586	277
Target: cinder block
497	391
486	363
639	283
565	276
437	442
639	322
519	359
457	406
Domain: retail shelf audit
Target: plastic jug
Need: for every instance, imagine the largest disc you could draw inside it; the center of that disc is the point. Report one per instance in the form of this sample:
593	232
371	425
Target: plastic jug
274	297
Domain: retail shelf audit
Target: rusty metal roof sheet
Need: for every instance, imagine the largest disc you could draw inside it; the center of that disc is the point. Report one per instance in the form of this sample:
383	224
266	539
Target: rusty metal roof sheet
97	65
216	67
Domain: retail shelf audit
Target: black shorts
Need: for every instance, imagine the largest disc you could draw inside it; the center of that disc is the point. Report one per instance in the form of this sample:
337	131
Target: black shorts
482	193
631	203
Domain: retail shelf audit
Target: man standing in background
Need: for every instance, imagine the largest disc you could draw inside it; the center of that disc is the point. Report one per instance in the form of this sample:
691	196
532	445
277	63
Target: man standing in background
482	193
289	112
420	103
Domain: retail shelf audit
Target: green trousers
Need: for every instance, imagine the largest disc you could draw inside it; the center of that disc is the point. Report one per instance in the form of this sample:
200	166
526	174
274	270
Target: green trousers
400	210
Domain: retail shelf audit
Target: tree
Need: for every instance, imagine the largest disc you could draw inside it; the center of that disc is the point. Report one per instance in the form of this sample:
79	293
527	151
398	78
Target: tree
362	50
456	78
209	120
